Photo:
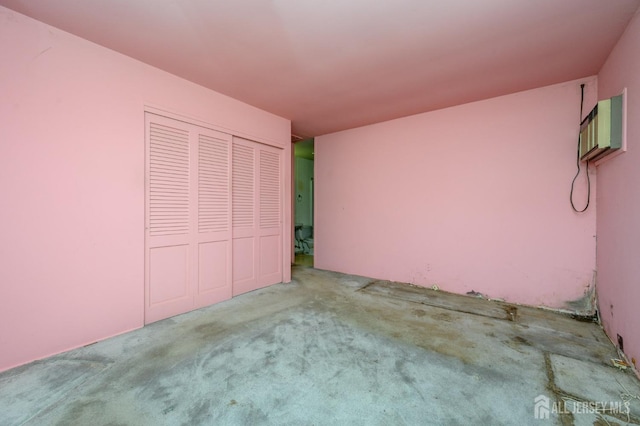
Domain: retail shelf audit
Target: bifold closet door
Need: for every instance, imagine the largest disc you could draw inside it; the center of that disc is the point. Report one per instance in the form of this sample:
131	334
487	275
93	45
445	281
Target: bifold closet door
188	217
257	215
214	219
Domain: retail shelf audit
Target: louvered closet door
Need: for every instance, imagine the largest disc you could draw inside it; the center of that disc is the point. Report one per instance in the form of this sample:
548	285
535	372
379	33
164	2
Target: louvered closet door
257	215
270	216
214	218
245	210
188	217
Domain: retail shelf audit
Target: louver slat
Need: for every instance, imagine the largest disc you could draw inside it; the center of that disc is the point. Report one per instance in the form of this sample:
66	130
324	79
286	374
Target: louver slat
168	181
242	186
213	184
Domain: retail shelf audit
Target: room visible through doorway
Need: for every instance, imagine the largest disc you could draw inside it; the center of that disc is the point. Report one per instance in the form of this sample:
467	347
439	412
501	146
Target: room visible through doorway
303	204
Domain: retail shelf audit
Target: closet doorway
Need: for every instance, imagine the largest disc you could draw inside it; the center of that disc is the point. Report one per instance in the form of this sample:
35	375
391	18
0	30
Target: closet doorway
213	216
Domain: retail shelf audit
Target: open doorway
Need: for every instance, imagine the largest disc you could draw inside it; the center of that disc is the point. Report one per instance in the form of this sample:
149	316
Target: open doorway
303	204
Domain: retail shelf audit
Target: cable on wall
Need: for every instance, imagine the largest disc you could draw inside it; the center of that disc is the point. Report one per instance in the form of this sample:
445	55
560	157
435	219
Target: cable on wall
578	163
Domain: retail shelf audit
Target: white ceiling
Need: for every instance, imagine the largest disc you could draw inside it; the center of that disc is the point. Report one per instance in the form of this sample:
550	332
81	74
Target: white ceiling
330	65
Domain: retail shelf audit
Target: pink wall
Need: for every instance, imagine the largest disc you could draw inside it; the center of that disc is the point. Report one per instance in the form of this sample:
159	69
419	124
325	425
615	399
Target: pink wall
473	197
72	183
619	202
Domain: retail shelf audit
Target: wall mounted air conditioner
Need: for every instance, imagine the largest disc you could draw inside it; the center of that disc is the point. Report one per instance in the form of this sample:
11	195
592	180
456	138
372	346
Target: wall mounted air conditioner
601	130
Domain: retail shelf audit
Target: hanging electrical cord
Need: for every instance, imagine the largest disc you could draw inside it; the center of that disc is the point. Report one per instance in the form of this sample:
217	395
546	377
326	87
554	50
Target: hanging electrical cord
578	163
